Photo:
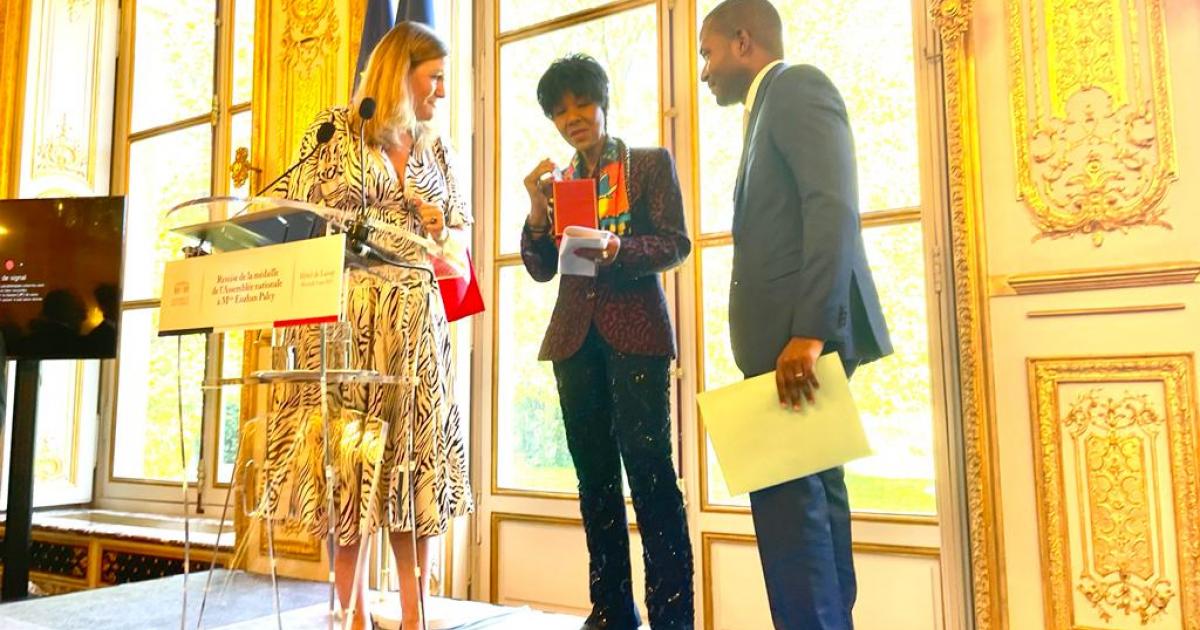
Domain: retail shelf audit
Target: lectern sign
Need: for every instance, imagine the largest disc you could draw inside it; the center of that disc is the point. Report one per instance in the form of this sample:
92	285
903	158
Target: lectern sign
280	285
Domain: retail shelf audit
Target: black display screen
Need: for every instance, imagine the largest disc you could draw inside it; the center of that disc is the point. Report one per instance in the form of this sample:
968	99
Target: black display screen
60	277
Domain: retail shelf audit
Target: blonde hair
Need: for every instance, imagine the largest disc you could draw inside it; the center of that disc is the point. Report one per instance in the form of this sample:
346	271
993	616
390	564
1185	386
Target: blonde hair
385	79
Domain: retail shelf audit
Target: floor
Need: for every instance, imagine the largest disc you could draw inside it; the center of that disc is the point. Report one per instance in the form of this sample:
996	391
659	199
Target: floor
241	601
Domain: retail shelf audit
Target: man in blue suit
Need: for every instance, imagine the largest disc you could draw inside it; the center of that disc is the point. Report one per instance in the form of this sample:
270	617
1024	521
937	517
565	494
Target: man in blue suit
800	288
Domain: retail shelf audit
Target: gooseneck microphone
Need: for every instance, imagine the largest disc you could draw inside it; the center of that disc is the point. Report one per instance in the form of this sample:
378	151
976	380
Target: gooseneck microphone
357	230
366	111
324	133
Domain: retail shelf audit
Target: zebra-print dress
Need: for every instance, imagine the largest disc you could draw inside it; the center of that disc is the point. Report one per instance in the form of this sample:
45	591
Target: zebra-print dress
399	327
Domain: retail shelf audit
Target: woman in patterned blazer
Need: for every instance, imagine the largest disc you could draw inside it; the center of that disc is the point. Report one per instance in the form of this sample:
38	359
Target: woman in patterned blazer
398	325
611	342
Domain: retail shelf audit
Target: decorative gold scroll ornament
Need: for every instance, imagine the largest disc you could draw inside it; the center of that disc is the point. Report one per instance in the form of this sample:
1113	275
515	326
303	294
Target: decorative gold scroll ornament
1091	109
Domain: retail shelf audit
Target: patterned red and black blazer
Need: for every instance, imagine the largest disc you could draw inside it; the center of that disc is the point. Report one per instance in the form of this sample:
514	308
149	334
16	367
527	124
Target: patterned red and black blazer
625	300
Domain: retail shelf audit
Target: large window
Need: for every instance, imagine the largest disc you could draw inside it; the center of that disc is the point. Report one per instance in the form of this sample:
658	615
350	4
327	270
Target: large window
185	91
531	450
65	439
878	85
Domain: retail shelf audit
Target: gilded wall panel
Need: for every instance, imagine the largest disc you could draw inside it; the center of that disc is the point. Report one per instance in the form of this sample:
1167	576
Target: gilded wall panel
312	35
1005	218
302	49
66	146
1091	109
13	19
1116	462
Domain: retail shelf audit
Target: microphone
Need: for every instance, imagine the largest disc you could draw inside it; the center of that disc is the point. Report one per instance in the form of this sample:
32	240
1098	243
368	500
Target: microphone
366	111
324	133
357	231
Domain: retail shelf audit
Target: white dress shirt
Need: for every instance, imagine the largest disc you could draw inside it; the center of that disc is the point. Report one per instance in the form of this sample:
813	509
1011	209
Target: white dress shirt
752	93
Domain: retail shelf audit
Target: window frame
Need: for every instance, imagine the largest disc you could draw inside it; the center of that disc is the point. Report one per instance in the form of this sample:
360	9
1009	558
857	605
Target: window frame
929	117
500	260
680	132
113	491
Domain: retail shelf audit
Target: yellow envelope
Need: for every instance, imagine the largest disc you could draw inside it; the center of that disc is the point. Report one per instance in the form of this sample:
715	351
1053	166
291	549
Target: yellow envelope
760	444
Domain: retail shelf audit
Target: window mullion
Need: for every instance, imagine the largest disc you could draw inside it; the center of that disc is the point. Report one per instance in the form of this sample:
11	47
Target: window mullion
222	97
220	185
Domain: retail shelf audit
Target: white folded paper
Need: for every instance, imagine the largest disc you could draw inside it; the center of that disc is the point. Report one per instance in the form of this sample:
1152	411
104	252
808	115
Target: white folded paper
575	237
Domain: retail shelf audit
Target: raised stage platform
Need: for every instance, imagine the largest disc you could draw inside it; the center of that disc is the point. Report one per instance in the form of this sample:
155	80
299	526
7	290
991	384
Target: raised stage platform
242	601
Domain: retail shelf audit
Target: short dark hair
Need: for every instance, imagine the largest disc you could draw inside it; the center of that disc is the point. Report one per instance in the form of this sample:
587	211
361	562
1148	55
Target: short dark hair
578	74
759	18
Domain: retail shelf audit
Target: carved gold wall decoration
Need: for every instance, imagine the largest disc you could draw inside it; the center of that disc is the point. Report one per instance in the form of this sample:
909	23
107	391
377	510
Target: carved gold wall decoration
1085	46
1115	455
1125	309
310	49
1117	436
953	19
61	152
1091	114
50	466
79	9
311	33
358	14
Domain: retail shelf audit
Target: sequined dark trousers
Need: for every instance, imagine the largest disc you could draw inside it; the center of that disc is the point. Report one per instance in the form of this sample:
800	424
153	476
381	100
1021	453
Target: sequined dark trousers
615	407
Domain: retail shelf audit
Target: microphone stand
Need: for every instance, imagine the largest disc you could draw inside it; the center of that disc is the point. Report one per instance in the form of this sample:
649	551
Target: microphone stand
325	132
358	230
358	233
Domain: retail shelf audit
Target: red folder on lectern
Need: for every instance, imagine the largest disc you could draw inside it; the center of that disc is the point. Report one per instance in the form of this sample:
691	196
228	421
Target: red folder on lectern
574	204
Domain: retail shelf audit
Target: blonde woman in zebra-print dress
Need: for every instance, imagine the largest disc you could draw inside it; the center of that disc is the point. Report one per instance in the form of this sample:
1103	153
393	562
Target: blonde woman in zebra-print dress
399	325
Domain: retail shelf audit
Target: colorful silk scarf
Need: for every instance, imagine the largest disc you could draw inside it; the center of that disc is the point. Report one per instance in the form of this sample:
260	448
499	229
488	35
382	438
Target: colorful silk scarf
612	188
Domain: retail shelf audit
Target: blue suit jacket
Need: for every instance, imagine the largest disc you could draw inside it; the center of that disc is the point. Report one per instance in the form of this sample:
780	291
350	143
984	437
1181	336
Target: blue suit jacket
799	264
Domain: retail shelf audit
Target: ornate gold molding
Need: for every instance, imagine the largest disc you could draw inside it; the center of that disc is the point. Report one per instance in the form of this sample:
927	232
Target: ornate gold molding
1091	120
358	13
953	19
14	22
1108	310
310	34
310	45
1115	469
1114	434
1131	276
60	152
